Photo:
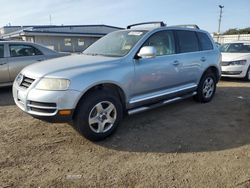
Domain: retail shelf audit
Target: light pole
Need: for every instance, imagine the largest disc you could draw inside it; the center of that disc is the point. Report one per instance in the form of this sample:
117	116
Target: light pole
221	7
50	19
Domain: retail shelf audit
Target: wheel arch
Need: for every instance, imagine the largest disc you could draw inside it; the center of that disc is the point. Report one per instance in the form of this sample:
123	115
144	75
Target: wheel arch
214	70
111	87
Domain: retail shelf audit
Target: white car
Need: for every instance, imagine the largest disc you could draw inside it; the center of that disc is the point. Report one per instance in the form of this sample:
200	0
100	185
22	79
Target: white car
236	59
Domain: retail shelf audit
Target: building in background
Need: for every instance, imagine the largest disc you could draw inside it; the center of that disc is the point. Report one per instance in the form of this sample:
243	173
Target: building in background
230	38
68	38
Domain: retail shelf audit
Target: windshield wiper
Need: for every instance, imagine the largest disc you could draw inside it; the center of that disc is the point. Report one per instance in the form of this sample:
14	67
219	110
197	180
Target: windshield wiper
105	55
92	54
112	55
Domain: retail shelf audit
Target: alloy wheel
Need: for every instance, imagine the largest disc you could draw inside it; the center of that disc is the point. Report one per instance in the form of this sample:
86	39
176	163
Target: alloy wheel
208	87
102	117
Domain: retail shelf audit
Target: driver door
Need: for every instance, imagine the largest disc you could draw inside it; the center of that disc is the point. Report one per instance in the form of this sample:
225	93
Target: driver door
157	74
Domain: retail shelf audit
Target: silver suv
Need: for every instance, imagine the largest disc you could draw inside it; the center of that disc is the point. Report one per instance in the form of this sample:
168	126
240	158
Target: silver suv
125	72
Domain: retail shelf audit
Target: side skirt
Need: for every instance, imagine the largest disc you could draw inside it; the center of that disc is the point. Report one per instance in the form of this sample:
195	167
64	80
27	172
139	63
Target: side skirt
161	103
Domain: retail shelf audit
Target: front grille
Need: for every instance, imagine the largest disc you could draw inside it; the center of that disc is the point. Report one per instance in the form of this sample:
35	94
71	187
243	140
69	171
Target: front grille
231	72
224	63
26	82
42	107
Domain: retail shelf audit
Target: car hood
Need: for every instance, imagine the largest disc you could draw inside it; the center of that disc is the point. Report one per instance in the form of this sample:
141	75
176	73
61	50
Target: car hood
67	66
234	56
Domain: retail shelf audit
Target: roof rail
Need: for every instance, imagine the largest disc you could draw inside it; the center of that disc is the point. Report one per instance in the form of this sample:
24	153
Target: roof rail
187	26
161	24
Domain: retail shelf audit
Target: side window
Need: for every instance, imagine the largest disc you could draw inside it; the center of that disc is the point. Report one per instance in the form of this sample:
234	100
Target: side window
163	41
1	51
205	41
17	50
188	41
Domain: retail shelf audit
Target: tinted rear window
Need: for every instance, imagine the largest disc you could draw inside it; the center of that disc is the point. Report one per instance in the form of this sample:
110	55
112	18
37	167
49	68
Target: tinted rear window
1	51
188	41
205	42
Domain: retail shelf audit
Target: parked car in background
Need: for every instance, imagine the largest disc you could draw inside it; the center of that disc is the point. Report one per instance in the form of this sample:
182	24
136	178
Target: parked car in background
15	55
236	59
218	44
127	71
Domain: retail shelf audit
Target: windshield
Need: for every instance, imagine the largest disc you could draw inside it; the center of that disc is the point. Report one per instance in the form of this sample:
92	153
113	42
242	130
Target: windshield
116	44
235	48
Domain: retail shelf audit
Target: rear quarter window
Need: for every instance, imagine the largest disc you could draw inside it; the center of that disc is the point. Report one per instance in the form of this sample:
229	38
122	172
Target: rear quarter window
187	41
205	42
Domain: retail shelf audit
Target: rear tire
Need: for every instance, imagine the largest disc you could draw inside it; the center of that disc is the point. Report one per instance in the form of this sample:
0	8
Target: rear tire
206	88
98	115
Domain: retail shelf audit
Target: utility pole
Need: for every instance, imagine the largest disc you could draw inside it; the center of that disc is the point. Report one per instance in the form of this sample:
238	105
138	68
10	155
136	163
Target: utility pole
221	7
50	19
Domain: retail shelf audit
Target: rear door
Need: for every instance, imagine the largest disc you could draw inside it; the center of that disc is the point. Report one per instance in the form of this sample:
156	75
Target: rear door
22	55
4	71
189	57
209	56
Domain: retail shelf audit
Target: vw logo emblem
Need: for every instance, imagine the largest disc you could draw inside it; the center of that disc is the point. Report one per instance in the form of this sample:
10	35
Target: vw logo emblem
19	79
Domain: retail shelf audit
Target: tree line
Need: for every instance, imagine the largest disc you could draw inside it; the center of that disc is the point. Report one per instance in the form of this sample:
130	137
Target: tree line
235	31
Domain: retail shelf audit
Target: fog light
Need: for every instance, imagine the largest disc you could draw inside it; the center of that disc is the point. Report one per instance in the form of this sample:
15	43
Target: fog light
65	112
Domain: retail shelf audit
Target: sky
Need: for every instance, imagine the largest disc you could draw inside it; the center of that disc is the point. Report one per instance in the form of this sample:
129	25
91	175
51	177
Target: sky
120	13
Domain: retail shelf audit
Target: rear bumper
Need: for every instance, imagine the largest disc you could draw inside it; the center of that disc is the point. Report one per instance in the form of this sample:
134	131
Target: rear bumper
46	105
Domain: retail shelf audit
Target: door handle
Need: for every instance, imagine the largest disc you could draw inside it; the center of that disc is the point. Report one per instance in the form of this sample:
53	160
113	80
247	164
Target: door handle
176	63
3	63
203	59
39	60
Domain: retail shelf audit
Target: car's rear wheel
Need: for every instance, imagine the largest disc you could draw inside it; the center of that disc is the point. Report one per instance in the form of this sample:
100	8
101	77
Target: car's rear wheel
206	88
98	115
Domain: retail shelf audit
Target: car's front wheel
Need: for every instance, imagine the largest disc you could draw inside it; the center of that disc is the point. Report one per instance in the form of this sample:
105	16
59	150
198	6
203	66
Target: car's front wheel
206	88
247	77
98	115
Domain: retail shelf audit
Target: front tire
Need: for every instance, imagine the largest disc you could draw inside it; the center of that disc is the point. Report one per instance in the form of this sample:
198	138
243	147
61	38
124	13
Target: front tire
206	88
247	77
98	115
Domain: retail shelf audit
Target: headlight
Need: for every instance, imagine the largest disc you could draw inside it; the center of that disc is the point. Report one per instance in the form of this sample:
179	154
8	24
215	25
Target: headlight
19	79
240	62
53	84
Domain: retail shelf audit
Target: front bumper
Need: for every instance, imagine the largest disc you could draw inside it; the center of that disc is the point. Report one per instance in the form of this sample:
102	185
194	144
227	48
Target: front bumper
236	71
46	105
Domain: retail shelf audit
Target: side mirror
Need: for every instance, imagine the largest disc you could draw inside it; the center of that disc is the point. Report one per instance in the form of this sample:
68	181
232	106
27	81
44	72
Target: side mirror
147	52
